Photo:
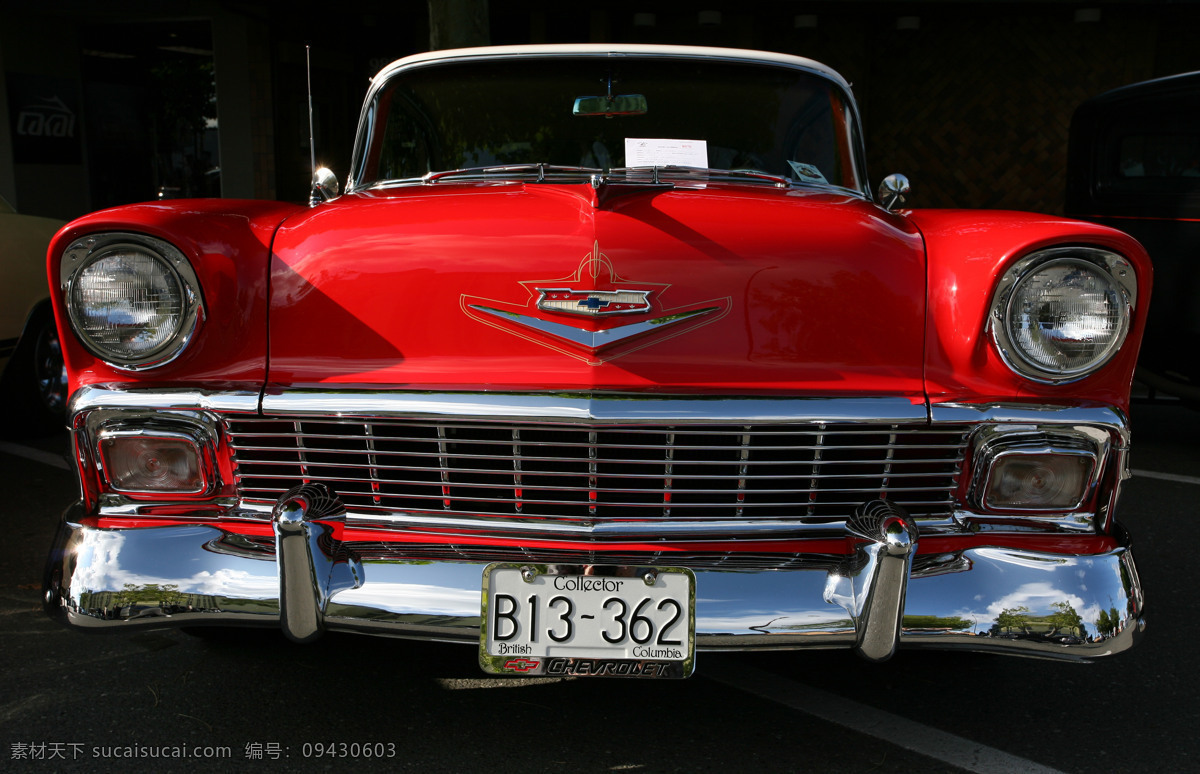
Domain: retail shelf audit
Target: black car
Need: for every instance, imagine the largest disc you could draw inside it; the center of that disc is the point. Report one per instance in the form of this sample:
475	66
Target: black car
1134	163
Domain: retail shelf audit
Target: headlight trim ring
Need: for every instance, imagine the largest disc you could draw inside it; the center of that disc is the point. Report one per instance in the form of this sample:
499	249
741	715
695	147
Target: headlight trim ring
89	250
1110	267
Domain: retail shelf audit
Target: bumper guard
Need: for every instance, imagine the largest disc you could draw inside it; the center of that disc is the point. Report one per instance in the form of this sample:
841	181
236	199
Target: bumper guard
882	596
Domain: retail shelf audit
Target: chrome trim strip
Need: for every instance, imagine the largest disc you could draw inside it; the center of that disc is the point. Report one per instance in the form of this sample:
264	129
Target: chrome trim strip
594	50
96	396
1120	474
970	520
111	579
549	530
582	407
594	406
1107	417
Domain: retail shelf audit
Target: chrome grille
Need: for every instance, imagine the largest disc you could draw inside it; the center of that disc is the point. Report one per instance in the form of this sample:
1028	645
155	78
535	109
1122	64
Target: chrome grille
742	560
591	473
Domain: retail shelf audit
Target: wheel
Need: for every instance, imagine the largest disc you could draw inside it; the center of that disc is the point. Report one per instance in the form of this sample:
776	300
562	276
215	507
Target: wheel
35	381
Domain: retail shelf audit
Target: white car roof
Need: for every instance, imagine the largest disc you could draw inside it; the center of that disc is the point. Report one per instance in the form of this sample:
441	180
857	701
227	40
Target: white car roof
614	50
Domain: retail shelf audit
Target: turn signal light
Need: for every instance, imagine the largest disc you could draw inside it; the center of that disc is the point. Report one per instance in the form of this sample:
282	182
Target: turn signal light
140	463
1038	481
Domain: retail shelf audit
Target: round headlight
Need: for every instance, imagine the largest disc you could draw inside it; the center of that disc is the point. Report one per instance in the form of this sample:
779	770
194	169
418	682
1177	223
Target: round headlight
133	300
1061	314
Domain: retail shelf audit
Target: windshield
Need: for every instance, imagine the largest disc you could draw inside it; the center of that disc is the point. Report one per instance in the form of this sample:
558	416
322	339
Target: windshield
603	113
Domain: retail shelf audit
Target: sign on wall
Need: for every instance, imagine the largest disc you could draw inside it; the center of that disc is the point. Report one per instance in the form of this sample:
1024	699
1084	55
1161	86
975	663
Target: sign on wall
44	113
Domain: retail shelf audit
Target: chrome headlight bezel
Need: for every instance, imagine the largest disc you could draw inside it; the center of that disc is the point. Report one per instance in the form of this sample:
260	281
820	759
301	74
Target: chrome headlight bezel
992	445
122	475
197	431
88	251
1111	268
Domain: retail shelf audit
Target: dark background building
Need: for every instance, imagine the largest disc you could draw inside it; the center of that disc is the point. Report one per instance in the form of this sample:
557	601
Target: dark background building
109	103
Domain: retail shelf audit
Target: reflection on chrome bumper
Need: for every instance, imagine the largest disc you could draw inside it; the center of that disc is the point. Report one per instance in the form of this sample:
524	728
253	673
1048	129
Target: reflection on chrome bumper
883	596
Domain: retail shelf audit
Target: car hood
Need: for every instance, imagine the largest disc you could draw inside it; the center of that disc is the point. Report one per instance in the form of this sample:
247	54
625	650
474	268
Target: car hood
560	287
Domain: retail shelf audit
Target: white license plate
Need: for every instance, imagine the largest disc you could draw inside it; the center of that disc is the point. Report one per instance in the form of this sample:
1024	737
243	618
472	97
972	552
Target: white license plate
593	620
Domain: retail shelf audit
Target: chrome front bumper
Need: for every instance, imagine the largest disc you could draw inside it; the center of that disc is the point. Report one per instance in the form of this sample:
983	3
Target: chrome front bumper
883	595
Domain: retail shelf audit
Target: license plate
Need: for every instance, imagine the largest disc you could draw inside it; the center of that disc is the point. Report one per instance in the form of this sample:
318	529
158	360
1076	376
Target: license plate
588	620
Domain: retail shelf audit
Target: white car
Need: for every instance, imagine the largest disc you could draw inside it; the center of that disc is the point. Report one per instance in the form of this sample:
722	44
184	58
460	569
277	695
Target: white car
32	381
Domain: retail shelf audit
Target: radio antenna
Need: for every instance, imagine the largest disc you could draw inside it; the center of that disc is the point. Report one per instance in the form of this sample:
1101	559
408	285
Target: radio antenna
312	144
324	182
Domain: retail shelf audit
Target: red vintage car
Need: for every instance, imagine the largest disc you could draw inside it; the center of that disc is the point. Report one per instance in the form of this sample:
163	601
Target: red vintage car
605	356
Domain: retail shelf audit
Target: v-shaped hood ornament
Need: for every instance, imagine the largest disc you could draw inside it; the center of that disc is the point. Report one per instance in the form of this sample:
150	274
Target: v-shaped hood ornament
595	291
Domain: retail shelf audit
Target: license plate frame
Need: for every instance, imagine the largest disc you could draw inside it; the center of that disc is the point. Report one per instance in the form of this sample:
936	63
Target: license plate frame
613	620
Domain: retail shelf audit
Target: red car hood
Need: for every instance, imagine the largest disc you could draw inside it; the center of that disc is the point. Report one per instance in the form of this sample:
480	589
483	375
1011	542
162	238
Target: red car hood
542	287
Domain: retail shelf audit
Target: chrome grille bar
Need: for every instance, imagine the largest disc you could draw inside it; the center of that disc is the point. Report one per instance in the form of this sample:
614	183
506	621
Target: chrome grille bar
577	473
516	461
668	474
376	469
371	459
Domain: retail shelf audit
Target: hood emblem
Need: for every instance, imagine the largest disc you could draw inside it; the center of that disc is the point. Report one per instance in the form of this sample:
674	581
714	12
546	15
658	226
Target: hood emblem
593	303
596	338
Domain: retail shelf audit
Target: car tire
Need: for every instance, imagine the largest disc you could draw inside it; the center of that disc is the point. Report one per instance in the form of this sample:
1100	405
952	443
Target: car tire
34	388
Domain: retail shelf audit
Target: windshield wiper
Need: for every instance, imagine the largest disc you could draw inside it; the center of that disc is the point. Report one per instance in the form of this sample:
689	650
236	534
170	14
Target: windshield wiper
540	173
657	174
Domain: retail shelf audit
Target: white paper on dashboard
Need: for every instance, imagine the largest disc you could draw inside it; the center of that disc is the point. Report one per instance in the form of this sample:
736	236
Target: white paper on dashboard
642	152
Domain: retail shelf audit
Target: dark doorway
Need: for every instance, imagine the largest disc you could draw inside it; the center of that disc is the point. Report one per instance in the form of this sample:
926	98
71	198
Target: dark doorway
150	100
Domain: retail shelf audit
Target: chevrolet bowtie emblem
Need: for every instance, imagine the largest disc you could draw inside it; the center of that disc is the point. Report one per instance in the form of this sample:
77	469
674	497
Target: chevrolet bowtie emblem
587	339
593	303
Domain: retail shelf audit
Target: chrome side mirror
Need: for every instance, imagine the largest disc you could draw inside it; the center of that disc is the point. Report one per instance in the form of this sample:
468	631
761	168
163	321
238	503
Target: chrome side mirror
324	187
893	191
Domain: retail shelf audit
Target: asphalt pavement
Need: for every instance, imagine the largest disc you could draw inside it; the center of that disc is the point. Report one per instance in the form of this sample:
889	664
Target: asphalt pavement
170	701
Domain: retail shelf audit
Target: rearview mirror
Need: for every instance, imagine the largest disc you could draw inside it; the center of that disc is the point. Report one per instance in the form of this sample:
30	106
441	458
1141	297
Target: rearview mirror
620	105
